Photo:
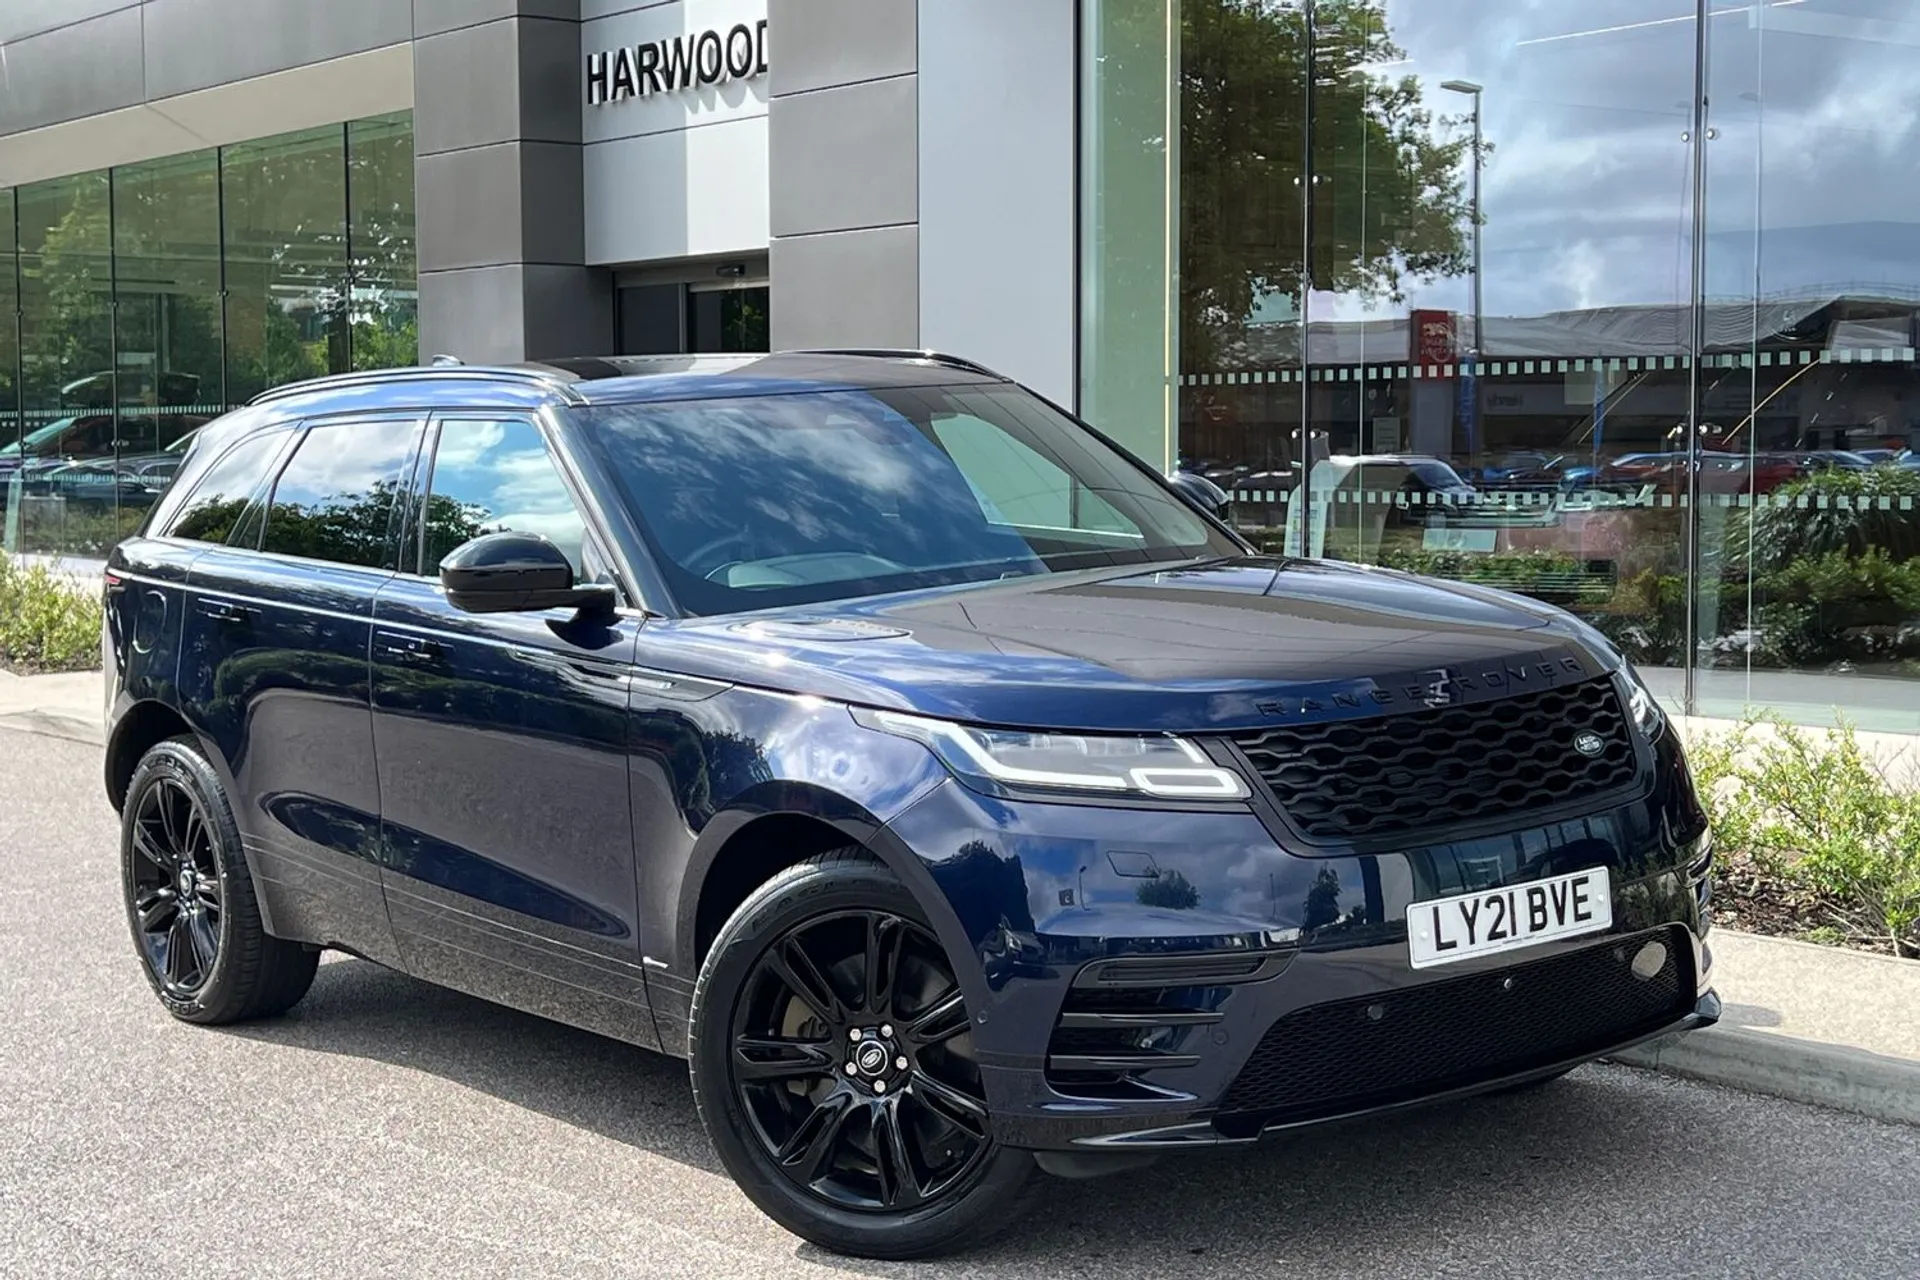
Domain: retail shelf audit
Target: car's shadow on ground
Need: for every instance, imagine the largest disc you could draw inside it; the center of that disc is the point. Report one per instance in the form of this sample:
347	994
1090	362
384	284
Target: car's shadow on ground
1329	1198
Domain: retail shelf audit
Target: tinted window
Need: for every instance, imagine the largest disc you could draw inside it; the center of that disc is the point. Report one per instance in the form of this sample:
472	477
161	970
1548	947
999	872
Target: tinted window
494	476
221	497
791	498
335	500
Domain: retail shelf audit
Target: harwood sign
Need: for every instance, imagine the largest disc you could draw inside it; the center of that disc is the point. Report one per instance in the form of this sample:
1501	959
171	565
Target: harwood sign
677	63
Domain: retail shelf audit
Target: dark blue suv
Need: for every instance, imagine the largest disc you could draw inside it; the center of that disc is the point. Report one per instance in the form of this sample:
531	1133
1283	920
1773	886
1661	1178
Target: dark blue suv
956	793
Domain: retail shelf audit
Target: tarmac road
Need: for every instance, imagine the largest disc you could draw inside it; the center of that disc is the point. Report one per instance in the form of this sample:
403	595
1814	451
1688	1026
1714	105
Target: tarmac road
390	1128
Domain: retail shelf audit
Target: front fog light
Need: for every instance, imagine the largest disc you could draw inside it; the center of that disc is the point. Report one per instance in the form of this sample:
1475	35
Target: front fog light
999	761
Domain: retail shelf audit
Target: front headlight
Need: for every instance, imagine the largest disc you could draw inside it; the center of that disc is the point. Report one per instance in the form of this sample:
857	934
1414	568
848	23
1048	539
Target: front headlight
1007	761
1646	713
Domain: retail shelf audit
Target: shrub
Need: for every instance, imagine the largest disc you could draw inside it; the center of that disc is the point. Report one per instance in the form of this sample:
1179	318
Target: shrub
46	623
1851	522
1822	816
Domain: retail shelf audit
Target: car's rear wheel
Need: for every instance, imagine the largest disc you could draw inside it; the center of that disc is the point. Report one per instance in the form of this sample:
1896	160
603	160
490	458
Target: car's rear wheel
190	901
833	1066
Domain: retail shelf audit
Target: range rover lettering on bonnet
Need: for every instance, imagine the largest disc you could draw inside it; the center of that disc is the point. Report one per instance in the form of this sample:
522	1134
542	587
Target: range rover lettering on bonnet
1439	688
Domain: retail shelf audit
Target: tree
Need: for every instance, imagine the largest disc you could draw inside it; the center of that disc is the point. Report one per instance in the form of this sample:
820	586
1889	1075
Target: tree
1388	198
1172	891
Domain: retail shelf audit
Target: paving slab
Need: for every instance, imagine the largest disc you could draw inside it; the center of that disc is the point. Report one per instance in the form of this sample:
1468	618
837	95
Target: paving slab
70	705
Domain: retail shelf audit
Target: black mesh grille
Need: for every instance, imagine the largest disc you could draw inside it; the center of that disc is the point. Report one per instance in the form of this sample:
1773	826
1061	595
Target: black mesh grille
1353	1054
1363	779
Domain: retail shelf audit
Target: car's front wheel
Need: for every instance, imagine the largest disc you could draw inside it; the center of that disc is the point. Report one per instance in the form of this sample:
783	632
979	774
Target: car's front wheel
833	1065
190	901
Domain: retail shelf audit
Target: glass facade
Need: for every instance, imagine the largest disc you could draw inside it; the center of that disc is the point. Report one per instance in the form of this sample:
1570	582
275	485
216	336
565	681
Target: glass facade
140	302
1614	304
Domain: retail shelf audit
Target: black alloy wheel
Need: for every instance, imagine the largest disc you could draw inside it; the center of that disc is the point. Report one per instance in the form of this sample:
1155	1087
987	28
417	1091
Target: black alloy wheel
849	1059
176	887
832	1060
190	901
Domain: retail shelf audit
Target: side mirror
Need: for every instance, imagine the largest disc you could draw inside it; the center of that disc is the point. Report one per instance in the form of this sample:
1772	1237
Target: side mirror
1200	492
517	573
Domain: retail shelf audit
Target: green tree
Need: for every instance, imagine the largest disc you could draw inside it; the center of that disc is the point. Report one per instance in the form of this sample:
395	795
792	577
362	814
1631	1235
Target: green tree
1388	197
1172	892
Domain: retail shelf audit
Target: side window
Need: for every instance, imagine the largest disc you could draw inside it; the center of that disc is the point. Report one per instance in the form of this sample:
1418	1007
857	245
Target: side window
490	476
221	497
337	496
1017	485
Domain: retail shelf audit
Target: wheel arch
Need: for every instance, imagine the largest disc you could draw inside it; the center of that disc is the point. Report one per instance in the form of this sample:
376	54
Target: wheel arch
137	731
778	826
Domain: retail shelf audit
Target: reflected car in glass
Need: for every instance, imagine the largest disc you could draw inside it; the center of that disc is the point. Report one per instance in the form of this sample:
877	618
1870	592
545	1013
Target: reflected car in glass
955	793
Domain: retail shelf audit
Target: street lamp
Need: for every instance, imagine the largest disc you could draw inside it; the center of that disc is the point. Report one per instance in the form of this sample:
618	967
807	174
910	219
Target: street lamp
1473	91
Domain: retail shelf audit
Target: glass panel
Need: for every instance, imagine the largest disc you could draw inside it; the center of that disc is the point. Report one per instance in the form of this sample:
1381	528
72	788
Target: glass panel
1497	294
493	476
221	496
386	283
286	253
336	498
1243	130
9	346
1808	588
727	320
166	244
1131	164
66	335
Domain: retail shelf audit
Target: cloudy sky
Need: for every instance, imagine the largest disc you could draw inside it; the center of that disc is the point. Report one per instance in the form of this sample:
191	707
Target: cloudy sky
1816	111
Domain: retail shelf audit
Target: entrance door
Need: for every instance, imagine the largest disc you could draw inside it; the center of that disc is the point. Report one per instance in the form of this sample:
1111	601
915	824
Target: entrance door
693	319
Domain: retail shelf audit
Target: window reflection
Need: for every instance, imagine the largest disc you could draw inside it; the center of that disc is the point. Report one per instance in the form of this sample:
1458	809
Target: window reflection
337	496
222	495
494	476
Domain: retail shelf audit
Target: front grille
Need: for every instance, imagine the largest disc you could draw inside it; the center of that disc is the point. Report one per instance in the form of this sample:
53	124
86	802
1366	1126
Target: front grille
1352	1054
1369	779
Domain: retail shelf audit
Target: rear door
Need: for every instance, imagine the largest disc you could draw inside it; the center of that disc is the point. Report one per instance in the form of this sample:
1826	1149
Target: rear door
502	748
274	668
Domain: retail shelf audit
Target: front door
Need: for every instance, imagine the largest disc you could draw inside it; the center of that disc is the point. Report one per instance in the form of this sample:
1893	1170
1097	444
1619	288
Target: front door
501	741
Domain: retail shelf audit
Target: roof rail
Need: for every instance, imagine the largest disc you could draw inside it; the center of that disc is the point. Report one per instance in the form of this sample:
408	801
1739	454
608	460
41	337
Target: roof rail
551	379
907	353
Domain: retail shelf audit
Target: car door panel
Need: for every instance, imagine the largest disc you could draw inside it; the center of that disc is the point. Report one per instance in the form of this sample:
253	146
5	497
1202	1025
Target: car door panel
274	666
502	749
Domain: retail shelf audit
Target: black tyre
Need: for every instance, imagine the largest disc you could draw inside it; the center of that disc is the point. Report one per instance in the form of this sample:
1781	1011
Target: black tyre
832	1063
190	902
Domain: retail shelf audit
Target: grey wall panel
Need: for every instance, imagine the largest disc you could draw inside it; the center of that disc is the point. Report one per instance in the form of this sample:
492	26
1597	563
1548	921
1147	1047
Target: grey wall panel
430	16
569	311
997	200
552	204
192	44
477	315
552	80
19	18
823	43
467	79
844	158
468	207
847	288
72	71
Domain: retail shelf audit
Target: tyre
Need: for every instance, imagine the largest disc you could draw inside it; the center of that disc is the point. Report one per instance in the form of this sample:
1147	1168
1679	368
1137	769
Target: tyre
831	1054
190	902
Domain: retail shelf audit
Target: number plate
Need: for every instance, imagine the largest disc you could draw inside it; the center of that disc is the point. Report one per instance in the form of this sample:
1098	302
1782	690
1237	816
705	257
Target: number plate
1445	930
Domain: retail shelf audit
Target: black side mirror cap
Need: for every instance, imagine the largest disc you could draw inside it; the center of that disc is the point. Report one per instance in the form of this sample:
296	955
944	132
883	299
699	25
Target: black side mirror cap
1200	492
513	572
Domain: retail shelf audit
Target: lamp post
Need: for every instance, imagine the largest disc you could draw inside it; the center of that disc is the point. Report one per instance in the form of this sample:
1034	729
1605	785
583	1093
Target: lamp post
1473	91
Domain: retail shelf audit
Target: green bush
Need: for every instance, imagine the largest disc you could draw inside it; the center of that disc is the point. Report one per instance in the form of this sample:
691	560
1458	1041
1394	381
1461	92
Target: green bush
1776	535
46	623
1821	815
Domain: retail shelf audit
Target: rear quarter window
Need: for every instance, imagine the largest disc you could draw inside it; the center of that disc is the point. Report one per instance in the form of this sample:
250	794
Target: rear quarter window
217	500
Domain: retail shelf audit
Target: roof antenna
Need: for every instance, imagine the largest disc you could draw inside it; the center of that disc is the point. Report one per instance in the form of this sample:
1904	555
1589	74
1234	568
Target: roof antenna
446	361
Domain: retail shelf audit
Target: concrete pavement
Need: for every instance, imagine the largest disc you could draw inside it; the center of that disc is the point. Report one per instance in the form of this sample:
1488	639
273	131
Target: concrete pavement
389	1128
61	706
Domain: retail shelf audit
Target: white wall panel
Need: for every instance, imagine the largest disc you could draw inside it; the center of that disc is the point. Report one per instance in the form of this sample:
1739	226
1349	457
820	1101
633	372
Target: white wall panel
680	194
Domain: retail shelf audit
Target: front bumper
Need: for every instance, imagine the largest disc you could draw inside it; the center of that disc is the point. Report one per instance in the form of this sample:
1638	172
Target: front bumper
1204	916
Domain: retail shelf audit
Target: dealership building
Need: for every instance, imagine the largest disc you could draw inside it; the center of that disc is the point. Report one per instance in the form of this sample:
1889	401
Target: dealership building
1614	303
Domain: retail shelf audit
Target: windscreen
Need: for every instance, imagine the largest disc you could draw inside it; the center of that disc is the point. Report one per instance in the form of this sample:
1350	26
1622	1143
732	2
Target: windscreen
755	502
